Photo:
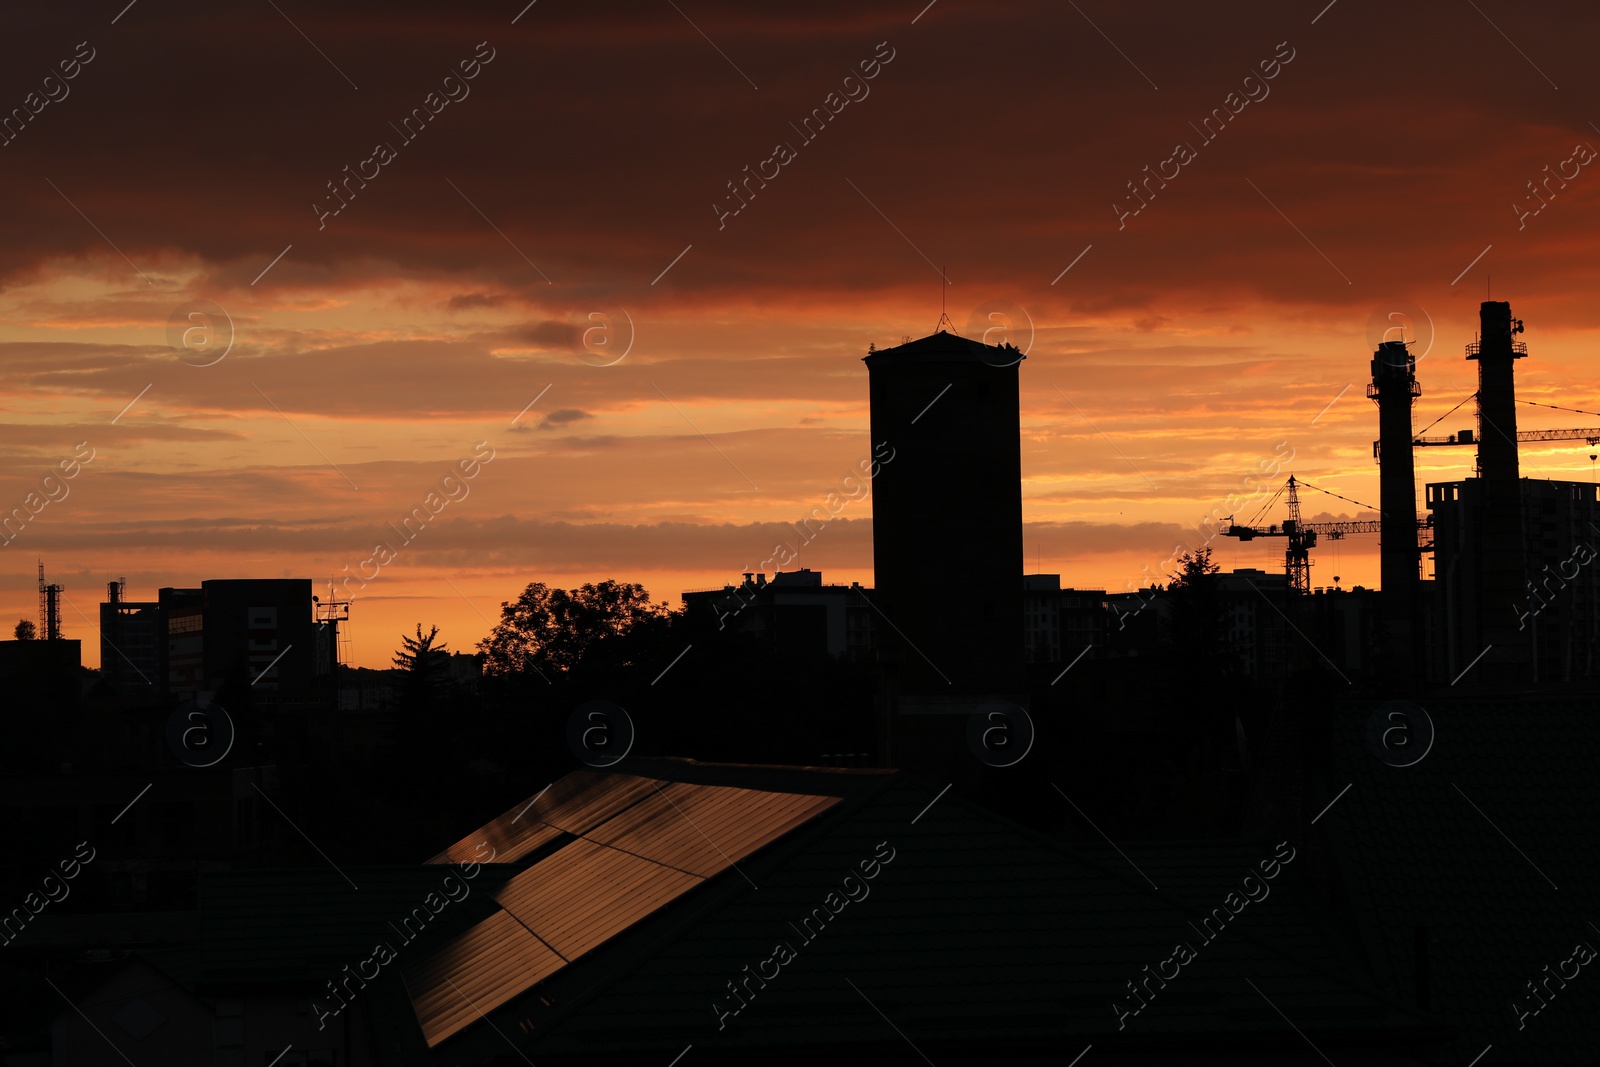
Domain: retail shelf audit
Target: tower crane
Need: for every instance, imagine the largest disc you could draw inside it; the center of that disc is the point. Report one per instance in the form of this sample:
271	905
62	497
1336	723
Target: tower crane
1469	438
1302	536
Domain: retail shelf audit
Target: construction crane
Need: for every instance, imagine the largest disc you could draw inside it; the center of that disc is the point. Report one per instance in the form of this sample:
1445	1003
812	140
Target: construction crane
1302	536
1469	438
1591	434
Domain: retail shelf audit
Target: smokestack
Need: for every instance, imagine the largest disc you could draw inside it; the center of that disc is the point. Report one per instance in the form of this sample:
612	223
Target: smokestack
1394	388
1502	564
1497	394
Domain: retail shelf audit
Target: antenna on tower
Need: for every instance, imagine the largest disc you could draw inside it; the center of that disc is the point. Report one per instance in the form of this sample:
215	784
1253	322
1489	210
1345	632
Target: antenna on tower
49	608
944	318
331	613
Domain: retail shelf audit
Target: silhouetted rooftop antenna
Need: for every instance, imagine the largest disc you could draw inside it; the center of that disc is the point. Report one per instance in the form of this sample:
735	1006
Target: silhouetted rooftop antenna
944	318
49	608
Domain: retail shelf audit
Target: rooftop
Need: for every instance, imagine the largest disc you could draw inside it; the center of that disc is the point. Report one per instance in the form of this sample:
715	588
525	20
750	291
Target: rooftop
947	347
641	893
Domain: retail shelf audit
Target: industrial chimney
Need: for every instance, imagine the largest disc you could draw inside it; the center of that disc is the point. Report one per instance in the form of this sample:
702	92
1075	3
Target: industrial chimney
1394	387
1502	563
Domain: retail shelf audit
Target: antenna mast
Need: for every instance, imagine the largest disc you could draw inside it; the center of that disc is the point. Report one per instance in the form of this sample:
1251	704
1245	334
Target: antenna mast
49	608
331	613
944	318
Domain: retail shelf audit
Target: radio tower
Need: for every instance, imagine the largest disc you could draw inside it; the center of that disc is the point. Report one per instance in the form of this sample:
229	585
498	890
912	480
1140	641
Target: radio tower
49	608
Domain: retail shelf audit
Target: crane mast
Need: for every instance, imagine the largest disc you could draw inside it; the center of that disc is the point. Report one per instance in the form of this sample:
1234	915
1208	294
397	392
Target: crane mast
1302	536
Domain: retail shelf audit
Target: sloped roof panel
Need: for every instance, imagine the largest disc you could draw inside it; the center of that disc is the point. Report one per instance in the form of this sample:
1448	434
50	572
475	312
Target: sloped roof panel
476	972
572	804
704	829
628	845
586	893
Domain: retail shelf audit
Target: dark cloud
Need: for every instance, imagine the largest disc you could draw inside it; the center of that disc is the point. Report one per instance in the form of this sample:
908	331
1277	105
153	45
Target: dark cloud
563	417
996	140
555	249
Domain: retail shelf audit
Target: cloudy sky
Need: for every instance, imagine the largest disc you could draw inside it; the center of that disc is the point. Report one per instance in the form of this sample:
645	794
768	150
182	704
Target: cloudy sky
548	259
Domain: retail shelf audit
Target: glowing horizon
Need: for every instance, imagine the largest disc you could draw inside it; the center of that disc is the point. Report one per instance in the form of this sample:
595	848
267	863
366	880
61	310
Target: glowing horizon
552	267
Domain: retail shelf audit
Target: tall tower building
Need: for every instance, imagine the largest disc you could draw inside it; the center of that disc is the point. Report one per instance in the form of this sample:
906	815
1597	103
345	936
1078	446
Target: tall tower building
946	541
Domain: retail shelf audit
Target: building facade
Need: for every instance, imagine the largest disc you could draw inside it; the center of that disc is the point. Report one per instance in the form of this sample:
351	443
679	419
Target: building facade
793	612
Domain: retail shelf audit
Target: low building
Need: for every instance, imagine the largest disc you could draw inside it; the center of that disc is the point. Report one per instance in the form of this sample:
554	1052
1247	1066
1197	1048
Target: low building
793	613
131	638
1062	624
189	643
39	675
1256	625
1557	615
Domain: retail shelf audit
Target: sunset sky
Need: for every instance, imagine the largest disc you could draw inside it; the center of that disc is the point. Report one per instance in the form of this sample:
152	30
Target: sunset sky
584	170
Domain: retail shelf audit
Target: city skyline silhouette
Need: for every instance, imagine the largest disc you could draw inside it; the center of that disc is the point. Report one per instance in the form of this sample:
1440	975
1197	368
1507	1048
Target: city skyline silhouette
688	533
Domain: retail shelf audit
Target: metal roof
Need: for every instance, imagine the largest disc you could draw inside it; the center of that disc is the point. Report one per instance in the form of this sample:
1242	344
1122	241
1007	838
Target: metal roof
586	893
572	804
625	846
478	971
675	825
981	940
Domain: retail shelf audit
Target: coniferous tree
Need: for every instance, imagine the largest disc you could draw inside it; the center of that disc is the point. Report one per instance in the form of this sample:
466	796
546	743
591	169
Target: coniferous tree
426	660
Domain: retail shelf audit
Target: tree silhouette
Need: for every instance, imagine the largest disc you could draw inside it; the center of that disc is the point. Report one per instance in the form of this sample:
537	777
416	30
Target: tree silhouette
553	631
1194	568
1201	646
420	704
419	653
1204	685
426	662
25	630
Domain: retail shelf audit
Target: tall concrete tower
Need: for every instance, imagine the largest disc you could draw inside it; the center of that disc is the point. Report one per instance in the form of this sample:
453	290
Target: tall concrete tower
1394	387
1503	565
946	542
